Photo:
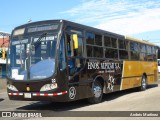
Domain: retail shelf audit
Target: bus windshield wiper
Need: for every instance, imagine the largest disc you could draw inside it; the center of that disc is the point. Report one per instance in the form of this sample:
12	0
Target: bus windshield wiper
40	39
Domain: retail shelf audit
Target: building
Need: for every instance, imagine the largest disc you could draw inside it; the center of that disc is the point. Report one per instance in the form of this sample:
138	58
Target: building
4	42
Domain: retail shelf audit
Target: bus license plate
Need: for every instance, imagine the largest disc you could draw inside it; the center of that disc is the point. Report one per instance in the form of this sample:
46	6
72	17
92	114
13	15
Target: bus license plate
27	95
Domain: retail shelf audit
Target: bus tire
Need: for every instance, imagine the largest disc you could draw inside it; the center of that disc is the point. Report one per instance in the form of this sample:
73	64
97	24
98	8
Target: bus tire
97	90
143	83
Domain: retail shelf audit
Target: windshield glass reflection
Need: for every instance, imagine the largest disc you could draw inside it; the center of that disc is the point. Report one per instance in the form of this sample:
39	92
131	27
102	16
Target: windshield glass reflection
32	58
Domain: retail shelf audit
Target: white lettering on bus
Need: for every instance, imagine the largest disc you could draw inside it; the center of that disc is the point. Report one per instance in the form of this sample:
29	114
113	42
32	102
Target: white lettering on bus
93	65
103	66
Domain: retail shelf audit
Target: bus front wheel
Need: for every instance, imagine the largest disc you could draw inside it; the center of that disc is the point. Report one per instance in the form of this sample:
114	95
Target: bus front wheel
97	93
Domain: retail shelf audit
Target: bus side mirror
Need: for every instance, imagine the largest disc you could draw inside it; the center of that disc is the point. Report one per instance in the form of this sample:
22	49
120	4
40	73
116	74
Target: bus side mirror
75	39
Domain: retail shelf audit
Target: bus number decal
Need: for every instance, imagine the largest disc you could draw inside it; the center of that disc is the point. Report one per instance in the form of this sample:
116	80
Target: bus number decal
72	92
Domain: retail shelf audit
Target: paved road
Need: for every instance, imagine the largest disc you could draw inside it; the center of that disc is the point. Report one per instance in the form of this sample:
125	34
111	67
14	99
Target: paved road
129	100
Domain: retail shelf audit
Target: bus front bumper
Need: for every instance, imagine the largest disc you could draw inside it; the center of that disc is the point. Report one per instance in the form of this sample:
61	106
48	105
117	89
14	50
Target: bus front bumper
29	96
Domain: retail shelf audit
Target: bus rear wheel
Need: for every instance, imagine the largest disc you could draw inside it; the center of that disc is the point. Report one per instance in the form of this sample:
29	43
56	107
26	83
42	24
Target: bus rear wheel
143	83
97	93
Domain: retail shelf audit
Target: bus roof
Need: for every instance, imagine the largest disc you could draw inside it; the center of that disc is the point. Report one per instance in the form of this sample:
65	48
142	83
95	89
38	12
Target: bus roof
88	28
138	40
36	23
92	29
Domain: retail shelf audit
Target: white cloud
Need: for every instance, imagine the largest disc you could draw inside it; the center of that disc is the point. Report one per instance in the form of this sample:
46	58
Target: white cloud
142	22
119	16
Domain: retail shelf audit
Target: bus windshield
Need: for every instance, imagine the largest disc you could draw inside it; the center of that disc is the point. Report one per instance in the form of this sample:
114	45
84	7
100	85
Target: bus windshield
32	57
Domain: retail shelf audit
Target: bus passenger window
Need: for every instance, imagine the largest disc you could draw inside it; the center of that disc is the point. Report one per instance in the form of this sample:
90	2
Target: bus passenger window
149	53
98	52
107	41
134	51
98	40
123	54
114	42
90	38
143	52
89	51
111	53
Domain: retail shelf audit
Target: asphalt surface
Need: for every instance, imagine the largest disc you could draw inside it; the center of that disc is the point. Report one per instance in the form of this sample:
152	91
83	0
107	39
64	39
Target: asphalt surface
128	100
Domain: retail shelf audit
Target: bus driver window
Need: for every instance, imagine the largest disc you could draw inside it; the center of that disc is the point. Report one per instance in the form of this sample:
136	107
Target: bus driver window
72	48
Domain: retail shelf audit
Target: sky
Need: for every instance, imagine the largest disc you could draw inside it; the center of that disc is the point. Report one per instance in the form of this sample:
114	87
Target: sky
135	18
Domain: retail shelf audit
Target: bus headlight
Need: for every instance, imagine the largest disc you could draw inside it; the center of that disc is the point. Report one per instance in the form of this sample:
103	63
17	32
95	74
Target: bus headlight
48	87
11	87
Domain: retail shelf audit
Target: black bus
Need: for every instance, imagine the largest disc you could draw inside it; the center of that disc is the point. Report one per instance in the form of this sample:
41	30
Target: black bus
58	60
158	60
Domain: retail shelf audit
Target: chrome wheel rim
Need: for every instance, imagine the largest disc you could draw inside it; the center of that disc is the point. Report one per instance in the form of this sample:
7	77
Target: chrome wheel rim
143	82
97	91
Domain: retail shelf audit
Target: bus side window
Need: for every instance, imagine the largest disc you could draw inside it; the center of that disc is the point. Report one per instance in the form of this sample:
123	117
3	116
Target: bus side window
62	54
